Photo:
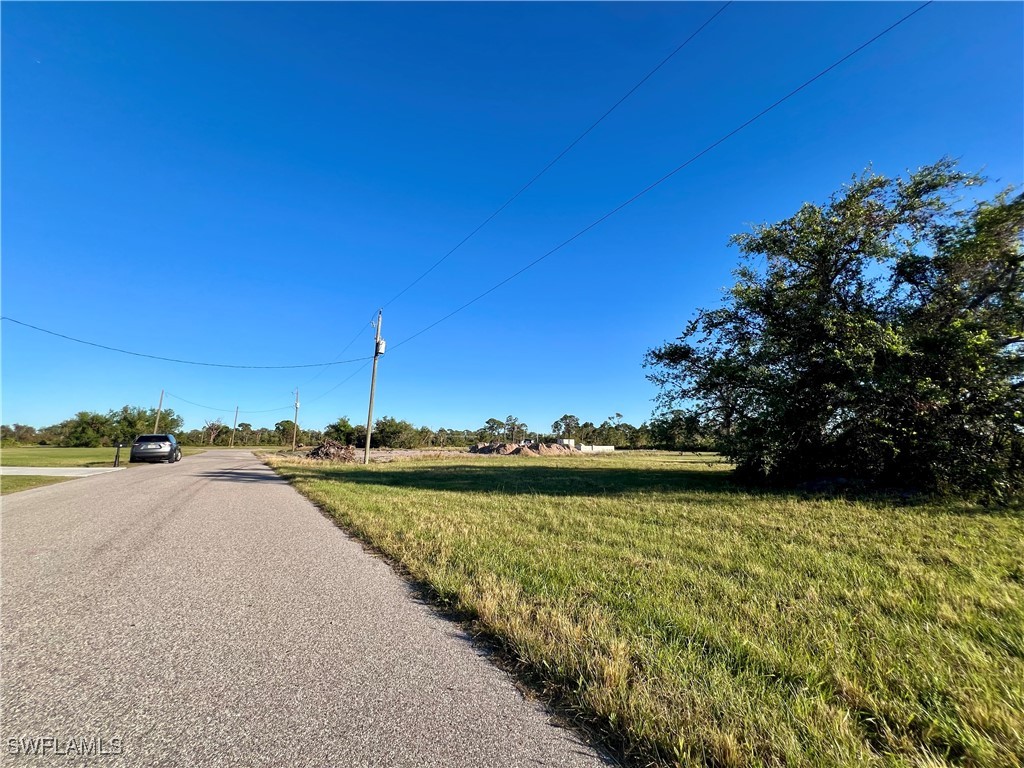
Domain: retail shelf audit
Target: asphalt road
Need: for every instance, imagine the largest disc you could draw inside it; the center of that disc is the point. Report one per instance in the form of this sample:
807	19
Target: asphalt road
204	613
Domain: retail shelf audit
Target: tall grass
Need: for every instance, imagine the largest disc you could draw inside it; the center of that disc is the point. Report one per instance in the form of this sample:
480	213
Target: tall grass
693	622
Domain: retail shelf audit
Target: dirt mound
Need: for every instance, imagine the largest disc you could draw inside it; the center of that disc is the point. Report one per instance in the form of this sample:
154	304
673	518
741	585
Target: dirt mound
525	450
553	449
487	448
332	450
508	449
494	449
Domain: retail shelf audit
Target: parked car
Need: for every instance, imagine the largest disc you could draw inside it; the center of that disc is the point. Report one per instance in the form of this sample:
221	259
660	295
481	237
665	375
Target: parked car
156	448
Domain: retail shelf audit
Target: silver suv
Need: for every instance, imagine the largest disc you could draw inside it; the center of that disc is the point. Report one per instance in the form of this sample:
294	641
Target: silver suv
156	448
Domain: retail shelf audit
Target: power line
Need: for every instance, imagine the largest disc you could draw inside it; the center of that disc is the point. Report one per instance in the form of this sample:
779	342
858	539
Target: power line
343	381
668	175
530	183
560	155
225	410
359	333
508	202
175	360
198	405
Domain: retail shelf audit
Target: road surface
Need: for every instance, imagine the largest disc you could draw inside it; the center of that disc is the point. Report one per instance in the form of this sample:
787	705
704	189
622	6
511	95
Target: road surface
204	613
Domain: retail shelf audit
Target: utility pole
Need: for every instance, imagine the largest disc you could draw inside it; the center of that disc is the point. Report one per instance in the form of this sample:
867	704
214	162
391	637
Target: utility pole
233	428
159	408
295	424
378	350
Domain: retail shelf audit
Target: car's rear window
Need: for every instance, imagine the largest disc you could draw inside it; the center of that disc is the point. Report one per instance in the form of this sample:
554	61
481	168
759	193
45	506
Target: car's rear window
152	439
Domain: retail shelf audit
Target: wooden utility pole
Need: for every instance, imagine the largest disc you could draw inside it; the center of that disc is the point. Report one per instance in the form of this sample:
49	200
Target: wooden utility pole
233	428
378	350
159	408
295	424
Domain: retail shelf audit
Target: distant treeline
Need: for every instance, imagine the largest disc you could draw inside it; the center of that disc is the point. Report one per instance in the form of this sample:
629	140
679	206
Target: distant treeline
88	429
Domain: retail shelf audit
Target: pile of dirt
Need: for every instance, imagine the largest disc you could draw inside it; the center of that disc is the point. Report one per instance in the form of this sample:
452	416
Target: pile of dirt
332	450
509	449
553	449
494	449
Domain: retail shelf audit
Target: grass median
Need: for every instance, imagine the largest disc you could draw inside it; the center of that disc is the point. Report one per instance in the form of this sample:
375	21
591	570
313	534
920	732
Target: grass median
690	621
15	483
55	456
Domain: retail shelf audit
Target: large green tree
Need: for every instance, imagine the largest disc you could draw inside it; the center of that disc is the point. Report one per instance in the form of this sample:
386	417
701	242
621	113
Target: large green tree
130	421
389	432
89	429
492	430
86	429
566	426
513	428
880	340
342	430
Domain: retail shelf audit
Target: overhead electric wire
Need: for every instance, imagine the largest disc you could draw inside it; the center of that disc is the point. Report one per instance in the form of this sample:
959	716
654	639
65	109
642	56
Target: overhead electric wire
359	333
226	410
560	155
531	264
322	395
182	362
668	175
198	405
462	242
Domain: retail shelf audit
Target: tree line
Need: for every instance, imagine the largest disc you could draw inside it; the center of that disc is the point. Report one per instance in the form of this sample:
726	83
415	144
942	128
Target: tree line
92	429
664	431
88	429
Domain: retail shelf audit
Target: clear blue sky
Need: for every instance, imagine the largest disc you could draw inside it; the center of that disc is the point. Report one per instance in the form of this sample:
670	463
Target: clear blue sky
248	183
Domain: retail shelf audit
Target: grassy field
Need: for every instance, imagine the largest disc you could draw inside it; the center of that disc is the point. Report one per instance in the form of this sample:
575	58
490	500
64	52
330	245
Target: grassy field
51	456
691	622
15	483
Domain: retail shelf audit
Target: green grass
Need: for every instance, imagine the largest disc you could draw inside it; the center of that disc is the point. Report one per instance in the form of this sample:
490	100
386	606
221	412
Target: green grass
690	621
51	456
15	483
